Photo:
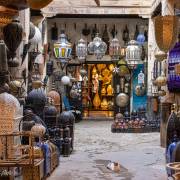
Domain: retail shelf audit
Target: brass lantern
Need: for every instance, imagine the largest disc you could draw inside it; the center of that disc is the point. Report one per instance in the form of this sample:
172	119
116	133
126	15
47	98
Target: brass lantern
166	31
38	4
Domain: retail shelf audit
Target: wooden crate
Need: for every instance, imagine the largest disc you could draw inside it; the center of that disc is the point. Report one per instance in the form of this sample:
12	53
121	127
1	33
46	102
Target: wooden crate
35	172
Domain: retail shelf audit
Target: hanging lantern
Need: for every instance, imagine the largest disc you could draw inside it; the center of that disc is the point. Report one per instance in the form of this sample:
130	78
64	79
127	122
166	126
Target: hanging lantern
37	37
49	68
16	4
133	54
3	63
141	39
13	33
81	50
65	80
62	48
161	80
54	33
160	55
166	31
38	4
114	49
97	47
6	15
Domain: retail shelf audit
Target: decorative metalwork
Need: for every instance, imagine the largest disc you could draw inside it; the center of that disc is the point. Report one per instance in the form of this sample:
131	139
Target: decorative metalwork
63	48
133	54
97	47
81	50
115	49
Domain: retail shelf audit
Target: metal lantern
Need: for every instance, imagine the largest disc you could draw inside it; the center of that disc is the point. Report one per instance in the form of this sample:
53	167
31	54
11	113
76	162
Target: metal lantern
81	50
115	49
36	100
133	54
38	4
166	31
97	47
63	48
13	34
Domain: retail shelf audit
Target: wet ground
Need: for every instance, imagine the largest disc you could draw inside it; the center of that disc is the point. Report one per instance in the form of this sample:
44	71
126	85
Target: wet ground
140	155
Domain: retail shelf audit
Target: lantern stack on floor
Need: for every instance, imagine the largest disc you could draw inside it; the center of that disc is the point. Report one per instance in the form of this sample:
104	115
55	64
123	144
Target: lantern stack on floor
134	122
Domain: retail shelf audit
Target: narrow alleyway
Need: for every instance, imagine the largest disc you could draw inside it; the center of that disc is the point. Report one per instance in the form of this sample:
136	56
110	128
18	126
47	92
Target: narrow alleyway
140	155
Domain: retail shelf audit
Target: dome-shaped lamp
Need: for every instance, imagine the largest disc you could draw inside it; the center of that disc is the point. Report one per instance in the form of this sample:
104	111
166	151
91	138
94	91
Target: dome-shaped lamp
115	49
63	48
97	47
65	80
133	54
36	100
66	118
11	113
81	50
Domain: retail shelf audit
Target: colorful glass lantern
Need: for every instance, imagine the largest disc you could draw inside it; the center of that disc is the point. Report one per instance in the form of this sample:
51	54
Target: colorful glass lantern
63	48
115	49
97	47
133	54
81	50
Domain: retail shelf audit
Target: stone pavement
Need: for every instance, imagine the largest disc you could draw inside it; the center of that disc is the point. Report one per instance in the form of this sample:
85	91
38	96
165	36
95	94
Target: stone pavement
140	155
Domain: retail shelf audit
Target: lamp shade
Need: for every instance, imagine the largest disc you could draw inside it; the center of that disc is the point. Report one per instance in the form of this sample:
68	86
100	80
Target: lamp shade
166	31
38	4
63	48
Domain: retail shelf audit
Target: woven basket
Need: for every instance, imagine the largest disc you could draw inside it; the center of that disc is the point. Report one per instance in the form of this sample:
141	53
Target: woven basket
38	4
166	31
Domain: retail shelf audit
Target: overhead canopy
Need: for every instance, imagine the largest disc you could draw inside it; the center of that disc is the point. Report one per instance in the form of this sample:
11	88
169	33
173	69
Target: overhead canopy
140	7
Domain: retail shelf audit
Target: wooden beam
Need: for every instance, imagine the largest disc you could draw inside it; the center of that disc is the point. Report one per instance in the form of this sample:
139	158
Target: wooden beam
54	10
97	2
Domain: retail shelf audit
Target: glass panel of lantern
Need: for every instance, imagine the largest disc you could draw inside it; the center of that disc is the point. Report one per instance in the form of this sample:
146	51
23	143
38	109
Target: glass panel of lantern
115	49
97	47
63	48
81	50
133	54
